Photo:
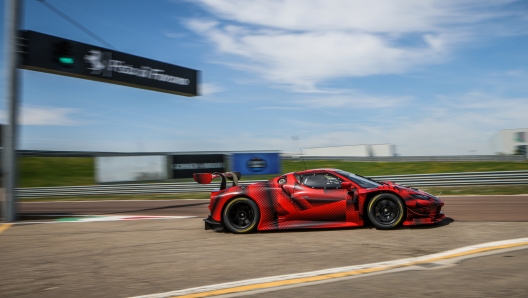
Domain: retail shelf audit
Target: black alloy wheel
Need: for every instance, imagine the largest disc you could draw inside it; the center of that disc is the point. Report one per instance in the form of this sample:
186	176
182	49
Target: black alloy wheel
241	215
386	211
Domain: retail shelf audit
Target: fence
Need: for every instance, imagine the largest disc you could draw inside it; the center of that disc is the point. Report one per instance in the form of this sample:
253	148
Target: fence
445	179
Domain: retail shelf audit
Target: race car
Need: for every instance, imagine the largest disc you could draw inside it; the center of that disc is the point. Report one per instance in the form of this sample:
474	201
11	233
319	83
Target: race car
318	198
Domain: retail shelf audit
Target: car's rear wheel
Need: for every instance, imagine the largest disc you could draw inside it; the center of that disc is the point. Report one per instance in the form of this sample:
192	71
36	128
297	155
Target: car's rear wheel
386	211
241	215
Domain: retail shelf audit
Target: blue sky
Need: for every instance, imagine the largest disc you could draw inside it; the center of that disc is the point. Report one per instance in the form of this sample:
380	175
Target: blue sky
432	77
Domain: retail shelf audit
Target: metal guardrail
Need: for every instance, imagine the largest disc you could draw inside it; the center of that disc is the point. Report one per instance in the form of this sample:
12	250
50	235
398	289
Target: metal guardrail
147	188
444	179
439	158
456	179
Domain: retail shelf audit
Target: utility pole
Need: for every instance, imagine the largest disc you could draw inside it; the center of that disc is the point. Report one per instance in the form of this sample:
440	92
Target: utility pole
9	135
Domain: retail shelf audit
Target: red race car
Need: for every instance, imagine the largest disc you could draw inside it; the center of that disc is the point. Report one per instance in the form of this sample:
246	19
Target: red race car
320	198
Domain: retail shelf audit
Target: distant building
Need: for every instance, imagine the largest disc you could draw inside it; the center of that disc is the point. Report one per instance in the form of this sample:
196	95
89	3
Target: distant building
510	141
353	150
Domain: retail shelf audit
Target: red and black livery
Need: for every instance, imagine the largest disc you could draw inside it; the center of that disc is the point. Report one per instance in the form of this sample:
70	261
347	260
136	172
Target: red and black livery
319	198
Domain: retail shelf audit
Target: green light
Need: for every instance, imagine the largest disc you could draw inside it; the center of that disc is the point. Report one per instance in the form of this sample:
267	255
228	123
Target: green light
66	60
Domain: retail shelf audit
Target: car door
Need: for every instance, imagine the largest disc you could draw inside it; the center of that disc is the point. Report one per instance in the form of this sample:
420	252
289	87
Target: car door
319	197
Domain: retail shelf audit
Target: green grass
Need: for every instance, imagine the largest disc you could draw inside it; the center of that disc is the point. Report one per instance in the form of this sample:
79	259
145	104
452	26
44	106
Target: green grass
70	171
56	171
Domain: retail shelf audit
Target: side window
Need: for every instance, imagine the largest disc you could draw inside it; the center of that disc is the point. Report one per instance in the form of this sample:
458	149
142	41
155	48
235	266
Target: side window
332	181
298	177
321	181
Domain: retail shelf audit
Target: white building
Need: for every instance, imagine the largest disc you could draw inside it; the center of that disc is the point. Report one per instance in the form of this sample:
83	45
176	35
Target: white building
510	141
352	150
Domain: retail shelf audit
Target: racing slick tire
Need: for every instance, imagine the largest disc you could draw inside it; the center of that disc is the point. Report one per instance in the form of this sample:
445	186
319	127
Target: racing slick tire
386	211
241	215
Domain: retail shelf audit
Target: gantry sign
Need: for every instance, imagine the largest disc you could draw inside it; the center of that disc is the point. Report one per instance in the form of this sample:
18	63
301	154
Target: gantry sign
51	54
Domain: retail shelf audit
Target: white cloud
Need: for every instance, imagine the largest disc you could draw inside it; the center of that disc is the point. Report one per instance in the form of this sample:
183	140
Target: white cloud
444	126
451	125
209	88
352	100
32	115
302	60
447	126
381	16
301	43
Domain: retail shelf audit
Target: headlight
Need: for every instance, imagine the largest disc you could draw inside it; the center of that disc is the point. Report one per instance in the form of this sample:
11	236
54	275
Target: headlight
422	197
436	199
426	198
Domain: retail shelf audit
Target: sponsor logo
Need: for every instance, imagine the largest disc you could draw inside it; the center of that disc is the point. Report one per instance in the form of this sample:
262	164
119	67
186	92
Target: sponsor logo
194	166
102	63
98	61
256	164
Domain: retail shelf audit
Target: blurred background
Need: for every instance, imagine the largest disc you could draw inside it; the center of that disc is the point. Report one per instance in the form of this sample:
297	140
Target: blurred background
379	82
431	78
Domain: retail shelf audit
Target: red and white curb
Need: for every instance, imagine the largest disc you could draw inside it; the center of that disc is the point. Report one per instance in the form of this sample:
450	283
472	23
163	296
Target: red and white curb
274	283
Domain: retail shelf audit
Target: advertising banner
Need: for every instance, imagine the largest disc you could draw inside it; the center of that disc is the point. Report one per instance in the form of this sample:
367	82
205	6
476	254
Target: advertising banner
185	165
130	168
256	163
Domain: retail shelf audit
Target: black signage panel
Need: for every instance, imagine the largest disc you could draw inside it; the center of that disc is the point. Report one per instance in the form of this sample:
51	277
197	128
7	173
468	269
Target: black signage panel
185	165
60	56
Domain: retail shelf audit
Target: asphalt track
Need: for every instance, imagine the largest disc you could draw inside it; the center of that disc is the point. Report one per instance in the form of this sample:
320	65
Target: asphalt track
130	258
464	208
472	278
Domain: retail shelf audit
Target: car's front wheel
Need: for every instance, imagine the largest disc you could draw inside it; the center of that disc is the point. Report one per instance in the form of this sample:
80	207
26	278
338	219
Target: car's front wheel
241	215
385	211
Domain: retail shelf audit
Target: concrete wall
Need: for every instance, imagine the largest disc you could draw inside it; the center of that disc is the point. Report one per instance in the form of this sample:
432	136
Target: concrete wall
130	168
383	150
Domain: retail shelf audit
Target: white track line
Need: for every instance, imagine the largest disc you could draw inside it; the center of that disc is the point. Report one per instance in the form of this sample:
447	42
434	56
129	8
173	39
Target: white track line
99	218
273	283
102	201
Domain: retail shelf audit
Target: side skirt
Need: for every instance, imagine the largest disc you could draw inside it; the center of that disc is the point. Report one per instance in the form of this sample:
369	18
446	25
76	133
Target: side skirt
306	224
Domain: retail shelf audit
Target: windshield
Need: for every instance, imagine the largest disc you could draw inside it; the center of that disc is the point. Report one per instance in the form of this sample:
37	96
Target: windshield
361	181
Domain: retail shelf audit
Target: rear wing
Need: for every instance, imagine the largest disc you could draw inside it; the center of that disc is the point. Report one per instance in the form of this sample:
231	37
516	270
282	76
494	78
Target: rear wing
206	178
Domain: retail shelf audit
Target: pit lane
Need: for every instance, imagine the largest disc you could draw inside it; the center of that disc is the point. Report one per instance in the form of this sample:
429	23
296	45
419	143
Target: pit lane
121	259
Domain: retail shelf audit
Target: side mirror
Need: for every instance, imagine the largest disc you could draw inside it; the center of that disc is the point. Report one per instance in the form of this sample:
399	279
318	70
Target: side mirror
346	185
